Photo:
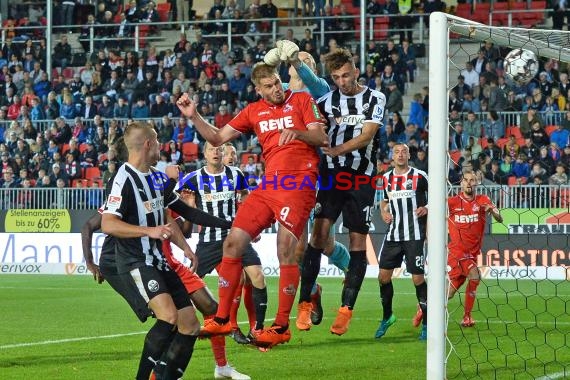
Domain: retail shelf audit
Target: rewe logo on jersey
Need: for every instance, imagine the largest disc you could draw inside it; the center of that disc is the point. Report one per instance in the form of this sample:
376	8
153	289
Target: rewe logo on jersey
466	218
276	124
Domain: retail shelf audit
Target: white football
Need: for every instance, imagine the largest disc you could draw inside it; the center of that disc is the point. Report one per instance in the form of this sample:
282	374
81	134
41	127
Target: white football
521	65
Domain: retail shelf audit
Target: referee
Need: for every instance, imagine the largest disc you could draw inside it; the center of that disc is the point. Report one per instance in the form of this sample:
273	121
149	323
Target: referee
404	208
135	215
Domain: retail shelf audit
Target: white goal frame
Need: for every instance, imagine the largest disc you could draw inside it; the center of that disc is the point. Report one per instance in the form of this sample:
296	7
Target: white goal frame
556	46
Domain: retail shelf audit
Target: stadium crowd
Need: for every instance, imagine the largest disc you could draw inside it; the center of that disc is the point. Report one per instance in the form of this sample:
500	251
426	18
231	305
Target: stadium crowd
72	121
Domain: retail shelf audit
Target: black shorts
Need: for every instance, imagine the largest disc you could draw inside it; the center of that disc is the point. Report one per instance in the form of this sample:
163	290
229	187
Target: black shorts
353	201
151	282
393	253
210	255
124	285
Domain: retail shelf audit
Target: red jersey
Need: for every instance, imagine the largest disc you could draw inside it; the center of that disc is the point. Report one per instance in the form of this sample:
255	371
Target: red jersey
267	120
466	223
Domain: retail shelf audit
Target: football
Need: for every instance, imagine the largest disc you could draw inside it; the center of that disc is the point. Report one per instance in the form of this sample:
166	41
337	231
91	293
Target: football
521	65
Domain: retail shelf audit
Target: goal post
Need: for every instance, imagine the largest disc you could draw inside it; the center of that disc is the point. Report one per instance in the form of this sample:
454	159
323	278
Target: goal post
437	194
523	323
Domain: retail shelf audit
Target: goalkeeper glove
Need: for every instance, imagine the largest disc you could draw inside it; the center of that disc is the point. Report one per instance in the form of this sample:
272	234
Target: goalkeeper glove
289	51
272	57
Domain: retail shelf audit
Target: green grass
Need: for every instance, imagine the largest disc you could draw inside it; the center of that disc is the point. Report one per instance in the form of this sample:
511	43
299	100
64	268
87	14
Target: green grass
48	309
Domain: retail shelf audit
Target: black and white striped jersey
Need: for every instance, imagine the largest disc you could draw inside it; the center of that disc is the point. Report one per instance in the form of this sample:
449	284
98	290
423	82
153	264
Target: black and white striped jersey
405	193
216	194
137	199
346	116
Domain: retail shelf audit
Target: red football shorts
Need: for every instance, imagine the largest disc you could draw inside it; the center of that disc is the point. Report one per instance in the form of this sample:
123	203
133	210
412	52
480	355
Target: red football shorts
459	269
291	208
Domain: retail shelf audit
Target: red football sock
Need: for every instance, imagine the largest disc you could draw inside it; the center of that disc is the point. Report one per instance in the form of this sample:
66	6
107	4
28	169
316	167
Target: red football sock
235	306
249	305
229	278
288	283
219	349
470	293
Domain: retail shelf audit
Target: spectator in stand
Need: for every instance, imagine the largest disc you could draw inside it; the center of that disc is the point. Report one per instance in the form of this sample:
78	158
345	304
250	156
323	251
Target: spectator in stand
62	52
565	159
42	87
458	138
559	177
175	155
57	173
183	132
531	150
472	126
140	110
112	85
159	108
560	136
530	119
100	140
494	127
492	151
395	101
165	130
495	174
222	117
545	160
67	110
121	109
511	148
89	156
538	135
14	108
72	167
554	152
37	112
538	174
471	76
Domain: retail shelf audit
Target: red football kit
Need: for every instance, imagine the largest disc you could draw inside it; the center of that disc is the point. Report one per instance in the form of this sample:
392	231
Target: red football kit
287	191
466	224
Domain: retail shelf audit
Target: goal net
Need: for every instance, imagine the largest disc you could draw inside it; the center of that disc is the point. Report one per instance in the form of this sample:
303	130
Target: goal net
522	307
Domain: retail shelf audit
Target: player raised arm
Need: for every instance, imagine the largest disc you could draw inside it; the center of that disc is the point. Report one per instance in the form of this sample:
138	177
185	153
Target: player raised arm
494	211
215	136
314	135
180	241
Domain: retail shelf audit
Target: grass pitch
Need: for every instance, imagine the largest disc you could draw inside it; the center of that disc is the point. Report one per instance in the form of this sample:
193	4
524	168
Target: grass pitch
68	327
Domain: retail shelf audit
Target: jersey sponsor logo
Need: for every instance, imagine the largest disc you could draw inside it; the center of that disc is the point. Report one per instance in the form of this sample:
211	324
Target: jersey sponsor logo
378	113
263	113
402	194
276	124
221	196
350	120
290	290
153	286
466	218
153	205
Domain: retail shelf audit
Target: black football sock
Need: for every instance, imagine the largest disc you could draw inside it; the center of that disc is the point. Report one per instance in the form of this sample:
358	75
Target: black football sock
309	272
386	295
260	302
354	277
155	342
421	294
178	356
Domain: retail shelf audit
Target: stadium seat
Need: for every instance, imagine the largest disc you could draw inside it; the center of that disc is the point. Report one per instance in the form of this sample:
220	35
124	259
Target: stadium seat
463	10
68	72
514	181
481	13
82	148
92	173
513	130
483	142
549	129
64	148
502	142
190	151
500	14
